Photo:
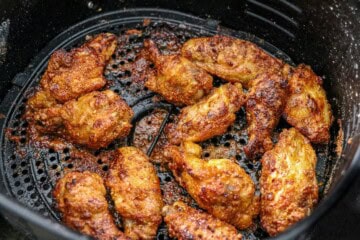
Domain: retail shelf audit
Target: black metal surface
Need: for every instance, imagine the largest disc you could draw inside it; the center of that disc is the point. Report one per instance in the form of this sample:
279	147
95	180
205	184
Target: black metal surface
328	49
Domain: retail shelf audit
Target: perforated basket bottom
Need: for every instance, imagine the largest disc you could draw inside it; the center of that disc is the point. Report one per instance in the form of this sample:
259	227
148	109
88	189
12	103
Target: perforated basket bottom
31	170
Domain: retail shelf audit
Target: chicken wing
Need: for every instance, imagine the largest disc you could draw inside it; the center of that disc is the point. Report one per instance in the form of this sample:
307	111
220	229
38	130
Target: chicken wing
264	106
210	117
185	223
232	59
288	183
135	189
177	79
72	74
219	186
96	119
81	200
308	109
43	112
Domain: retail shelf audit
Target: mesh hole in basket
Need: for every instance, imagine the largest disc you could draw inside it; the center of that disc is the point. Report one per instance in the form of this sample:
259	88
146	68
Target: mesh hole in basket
105	168
46	186
33	196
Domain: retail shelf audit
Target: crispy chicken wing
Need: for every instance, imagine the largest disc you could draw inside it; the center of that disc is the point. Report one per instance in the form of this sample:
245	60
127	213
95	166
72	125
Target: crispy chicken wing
210	117
96	119
186	223
81	200
308	109
177	79
288	183
135	189
219	186
72	74
265	103
43	112
232	59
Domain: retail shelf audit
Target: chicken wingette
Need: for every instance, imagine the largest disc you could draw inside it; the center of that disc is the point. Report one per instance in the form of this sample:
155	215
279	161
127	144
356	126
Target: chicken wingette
96	119
185	223
288	183
177	79
232	59
72	74
307	108
264	106
219	186
209	117
68	76
81	199
135	190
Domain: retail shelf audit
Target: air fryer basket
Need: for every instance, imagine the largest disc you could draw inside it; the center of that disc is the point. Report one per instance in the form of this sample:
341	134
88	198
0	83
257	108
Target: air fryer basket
29	177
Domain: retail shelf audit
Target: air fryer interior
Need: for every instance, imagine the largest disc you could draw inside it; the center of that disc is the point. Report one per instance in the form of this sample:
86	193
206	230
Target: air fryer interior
299	32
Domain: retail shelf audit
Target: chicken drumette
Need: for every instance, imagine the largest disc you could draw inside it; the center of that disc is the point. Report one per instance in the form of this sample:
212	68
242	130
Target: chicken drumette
264	106
232	59
81	200
219	186
210	117
135	189
72	74
288	183
177	79
185	223
307	108
96	119
43	112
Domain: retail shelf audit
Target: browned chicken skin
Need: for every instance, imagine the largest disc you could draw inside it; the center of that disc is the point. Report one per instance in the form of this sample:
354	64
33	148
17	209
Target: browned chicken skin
81	200
186	223
135	189
265	104
72	74
219	186
232	59
43	112
96	119
210	117
307	108
288	183
177	79
69	75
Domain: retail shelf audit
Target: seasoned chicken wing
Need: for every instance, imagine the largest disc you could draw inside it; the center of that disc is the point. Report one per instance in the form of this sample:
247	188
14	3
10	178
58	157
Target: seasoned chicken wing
135	189
232	59
72	74
288	183
81	200
219	186
210	117
43	112
307	108
186	223
264	106
96	119
177	79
